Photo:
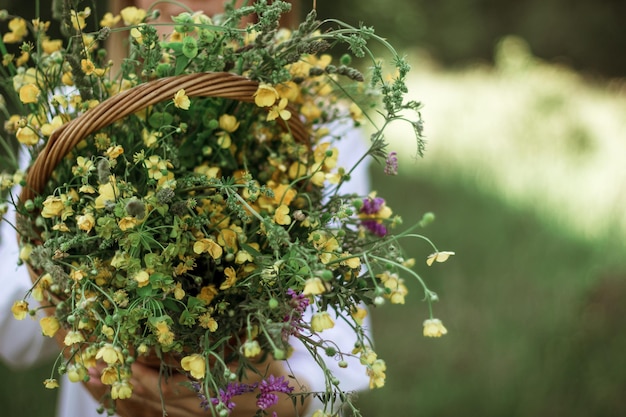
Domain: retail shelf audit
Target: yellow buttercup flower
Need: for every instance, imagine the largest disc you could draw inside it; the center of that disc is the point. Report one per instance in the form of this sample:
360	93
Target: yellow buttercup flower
281	215
19	309
121	390
110	354
439	257
395	286
181	100
109	375
142	278
132	15
231	278
27	136
73	337
76	372
18	30
107	193
376	372
25	252
79	18
29	93
127	223
209	246
51	383
49	325
228	123
164	335
207	293
195	364
251	348
321	321
48	128
52	207
265	95
314	286
208	322
358	314
109	20
279	110
86	222
434	328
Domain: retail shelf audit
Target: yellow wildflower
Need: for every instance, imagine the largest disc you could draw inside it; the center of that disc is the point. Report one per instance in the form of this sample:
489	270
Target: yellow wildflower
358	314
73	337
79	18
439	257
208	322
29	93
49	325
181	100
18	30
208	293
110	354
281	215
110	20
231	278
121	390
107	193
132	15
314	286
321	321
251	348
109	375
279	110
19	309
128	222
25	252
179	293
195	364
434	328
142	278
67	78
27	136
22	59
265	95
51	383
228	123
86	222
52	207
76	372
376	372
163	332
209	246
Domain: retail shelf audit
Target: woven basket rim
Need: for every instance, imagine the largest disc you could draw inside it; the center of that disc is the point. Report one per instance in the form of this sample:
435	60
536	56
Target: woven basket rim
205	84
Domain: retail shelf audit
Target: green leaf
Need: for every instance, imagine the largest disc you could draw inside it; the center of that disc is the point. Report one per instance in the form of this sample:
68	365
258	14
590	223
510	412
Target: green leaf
160	119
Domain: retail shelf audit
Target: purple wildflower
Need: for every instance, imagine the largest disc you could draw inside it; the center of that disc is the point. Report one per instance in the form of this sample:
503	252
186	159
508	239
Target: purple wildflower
268	388
373	226
197	387
232	390
372	205
299	302
391	164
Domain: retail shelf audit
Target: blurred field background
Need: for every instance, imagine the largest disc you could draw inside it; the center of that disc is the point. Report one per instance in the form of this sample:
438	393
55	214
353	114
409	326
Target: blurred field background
525	117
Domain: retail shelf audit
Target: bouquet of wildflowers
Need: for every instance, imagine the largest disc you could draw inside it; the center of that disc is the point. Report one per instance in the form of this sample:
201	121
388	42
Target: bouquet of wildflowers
162	218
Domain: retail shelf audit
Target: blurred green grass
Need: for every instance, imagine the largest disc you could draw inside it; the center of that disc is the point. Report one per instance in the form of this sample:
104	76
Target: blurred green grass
512	299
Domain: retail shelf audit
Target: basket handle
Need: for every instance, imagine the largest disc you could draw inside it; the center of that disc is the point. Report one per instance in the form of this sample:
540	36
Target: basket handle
207	84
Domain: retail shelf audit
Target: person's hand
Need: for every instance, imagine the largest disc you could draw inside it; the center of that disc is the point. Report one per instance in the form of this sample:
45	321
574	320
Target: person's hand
152	392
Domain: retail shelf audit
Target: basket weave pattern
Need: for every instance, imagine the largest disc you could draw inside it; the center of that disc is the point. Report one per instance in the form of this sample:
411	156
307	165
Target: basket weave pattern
209	84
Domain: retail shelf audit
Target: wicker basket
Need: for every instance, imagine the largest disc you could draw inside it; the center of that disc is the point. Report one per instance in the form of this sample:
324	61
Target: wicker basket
209	84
